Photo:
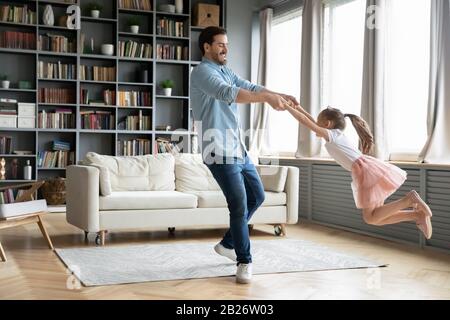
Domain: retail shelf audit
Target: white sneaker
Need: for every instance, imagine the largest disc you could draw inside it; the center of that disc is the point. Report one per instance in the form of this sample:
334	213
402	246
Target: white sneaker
244	273
228	253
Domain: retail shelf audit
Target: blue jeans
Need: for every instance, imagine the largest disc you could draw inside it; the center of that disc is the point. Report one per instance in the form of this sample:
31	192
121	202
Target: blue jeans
243	189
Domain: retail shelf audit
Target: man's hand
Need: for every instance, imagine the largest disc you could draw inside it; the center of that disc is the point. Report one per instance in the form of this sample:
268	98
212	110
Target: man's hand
276	101
291	99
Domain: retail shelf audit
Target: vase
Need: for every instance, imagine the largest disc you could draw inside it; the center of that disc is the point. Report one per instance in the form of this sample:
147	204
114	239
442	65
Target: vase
179	6
167	92
48	17
5	84
95	13
134	29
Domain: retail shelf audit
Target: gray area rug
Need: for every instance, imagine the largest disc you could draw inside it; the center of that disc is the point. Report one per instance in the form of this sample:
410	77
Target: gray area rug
98	266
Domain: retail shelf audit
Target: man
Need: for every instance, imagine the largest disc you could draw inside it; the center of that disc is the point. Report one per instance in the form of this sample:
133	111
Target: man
215	90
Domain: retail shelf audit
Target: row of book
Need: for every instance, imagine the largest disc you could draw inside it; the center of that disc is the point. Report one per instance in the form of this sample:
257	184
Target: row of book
55	159
164	145
97	73
138	123
16	14
17	40
50	70
172	52
135	99
169	27
136	147
56	95
56	43
97	120
133	49
7	196
60	119
135	4
109	98
5	145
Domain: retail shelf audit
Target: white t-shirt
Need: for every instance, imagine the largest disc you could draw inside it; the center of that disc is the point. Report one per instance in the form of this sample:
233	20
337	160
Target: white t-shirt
341	149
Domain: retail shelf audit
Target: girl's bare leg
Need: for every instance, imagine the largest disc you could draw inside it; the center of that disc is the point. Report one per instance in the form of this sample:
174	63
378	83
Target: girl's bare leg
376	215
401	216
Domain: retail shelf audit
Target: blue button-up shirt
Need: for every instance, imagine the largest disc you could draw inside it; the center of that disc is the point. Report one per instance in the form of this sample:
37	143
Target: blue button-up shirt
214	89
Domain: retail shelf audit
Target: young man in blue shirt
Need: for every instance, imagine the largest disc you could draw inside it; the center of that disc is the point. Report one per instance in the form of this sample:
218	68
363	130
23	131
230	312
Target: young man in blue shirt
215	92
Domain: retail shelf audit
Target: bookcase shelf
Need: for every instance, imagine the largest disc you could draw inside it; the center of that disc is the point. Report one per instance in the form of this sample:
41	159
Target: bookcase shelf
110	28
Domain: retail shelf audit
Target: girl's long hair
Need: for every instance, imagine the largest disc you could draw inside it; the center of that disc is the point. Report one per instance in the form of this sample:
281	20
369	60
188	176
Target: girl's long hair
366	141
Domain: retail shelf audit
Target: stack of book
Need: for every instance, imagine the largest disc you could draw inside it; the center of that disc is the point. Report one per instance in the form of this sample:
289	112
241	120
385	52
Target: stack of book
168	27
56	95
56	43
172	52
5	145
97	120
136	147
135	99
15	14
135	4
97	73
109	98
164	145
59	119
138	123
50	70
17	40
133	49
55	159
7	196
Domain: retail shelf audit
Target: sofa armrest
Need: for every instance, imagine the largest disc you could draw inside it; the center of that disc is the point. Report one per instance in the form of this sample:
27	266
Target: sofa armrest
283	179
292	190
82	197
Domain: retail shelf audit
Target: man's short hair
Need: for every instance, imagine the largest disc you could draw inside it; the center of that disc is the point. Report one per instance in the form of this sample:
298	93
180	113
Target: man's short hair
207	36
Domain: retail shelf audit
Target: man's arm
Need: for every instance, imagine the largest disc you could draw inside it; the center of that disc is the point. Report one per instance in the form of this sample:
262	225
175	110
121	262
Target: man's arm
276	101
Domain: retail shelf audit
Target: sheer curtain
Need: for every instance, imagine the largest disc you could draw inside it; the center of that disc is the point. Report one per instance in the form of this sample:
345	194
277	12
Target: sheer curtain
437	148
260	141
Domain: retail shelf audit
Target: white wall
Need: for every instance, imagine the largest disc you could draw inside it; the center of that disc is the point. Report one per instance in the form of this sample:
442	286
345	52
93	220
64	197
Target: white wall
239	27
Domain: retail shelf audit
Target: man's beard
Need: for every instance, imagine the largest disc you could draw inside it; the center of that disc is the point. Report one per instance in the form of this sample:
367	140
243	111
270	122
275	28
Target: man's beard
222	62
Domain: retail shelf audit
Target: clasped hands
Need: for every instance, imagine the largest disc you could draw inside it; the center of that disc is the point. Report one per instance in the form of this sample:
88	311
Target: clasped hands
281	102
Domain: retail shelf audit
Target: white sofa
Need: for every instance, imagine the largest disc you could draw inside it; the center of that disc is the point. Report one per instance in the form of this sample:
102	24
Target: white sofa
106	193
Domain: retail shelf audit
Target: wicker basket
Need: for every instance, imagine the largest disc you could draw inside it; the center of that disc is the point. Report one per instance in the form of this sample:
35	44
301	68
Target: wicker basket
54	191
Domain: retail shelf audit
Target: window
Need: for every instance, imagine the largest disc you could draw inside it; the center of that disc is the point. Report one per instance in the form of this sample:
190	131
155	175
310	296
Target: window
343	54
407	76
284	71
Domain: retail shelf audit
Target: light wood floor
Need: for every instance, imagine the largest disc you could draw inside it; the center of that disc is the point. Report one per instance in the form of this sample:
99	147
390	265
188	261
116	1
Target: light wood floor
34	272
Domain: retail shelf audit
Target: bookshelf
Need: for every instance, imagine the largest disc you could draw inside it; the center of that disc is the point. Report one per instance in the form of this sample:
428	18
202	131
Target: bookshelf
57	92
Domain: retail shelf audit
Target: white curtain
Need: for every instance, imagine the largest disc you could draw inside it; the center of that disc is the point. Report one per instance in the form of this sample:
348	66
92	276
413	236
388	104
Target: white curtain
437	148
372	101
260	119
310	92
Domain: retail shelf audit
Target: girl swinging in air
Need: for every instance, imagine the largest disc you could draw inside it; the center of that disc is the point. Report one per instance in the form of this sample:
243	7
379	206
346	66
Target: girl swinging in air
373	180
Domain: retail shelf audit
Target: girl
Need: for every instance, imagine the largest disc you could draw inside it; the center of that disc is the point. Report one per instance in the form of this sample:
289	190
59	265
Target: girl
373	180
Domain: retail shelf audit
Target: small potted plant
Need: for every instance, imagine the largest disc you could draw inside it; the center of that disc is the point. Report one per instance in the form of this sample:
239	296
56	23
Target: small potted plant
94	8
133	23
167	86
5	81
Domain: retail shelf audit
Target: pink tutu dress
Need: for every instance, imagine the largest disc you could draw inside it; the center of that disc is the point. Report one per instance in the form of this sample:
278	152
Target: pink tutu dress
373	180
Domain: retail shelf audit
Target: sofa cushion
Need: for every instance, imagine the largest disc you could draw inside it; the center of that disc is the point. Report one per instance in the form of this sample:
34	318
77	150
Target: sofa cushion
150	200
140	173
105	179
192	174
273	177
216	199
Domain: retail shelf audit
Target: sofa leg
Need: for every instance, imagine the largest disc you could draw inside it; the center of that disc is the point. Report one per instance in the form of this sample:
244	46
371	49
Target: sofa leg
86	236
2	254
171	231
100	239
280	230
